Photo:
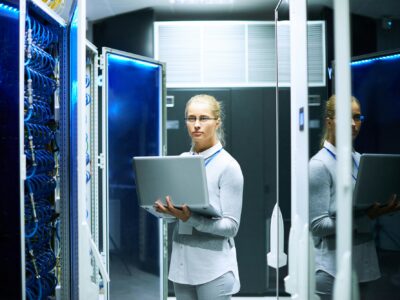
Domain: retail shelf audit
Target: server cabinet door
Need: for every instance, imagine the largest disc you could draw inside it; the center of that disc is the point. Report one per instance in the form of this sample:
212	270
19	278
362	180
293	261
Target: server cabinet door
12	255
83	252
133	97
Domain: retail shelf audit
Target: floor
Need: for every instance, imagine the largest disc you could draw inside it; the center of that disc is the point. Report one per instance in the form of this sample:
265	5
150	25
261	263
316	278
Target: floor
131	283
238	298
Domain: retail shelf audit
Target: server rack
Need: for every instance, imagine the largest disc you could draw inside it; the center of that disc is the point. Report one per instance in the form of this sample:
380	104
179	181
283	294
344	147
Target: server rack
53	147
43	195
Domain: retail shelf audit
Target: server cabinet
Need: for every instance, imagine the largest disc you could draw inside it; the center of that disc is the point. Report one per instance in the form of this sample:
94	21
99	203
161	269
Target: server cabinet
45	241
54	177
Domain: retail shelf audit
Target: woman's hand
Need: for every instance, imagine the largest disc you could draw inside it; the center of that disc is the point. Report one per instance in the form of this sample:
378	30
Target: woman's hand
377	210
182	214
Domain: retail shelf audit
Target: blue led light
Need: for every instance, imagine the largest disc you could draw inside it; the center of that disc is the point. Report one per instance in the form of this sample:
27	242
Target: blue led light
124	59
375	59
6	9
74	21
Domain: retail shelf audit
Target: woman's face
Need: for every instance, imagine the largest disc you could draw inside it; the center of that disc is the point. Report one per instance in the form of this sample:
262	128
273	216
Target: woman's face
201	124
355	123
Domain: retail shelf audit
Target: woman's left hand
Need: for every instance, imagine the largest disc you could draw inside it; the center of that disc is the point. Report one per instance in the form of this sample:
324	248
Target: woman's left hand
182	214
391	206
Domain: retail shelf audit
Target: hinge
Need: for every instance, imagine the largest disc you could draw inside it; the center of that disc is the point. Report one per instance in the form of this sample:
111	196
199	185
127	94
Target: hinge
101	62
101	161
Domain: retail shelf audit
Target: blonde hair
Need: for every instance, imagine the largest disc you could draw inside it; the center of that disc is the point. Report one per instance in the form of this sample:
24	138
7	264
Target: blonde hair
330	113
216	110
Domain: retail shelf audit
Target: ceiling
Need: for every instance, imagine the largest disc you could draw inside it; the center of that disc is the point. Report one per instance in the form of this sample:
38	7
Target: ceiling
99	9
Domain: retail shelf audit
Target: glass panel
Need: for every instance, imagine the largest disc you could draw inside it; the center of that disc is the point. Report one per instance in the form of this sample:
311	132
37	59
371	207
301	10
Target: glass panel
375	81
10	204
375	78
134	129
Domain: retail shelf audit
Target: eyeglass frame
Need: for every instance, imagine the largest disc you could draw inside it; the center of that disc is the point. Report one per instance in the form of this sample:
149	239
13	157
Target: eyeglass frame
201	119
359	118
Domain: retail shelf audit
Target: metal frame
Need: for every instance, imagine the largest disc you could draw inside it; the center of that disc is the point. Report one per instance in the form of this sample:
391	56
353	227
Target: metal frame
91	51
64	159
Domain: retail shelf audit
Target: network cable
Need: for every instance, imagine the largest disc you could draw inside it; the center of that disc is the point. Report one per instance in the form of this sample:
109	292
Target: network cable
40	147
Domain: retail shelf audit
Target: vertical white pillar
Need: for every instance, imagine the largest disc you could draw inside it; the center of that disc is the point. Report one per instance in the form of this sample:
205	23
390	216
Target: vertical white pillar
87	290
299	267
342	288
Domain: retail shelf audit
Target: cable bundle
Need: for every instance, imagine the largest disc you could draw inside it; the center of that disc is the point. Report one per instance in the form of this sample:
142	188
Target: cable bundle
40	60
39	281
40	147
41	85
37	112
40	134
40	35
41	161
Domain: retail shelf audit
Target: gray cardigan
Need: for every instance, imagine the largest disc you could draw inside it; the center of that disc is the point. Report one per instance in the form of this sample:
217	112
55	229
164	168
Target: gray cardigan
322	172
203	248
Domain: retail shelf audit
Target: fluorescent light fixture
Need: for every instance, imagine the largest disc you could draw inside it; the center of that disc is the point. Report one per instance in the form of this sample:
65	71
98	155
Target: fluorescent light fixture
201	2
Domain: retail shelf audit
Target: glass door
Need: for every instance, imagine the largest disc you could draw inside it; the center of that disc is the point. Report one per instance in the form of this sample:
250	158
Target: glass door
134	120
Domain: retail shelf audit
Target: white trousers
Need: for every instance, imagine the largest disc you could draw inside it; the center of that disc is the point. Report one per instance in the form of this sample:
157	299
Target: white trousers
217	289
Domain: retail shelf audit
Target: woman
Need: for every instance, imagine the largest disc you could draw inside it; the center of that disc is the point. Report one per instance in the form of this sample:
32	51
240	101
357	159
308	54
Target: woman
203	260
323	208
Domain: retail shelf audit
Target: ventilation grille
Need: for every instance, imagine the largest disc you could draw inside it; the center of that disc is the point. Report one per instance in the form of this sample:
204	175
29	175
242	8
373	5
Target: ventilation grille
220	53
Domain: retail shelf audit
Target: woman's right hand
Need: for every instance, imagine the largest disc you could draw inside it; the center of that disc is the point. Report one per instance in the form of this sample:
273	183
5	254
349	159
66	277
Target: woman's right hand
182	214
378	210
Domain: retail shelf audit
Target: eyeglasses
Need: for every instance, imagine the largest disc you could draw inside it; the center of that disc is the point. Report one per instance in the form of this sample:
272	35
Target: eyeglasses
202	119
358	118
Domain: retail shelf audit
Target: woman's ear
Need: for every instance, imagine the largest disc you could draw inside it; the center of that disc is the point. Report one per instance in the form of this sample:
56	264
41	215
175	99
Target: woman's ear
329	123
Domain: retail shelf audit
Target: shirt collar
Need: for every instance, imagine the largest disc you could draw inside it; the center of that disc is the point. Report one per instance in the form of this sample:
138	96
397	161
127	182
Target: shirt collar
330	147
209	151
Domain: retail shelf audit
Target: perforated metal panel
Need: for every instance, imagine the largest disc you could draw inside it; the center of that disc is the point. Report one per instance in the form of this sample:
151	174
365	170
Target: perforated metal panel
233	53
181	47
224	53
261	53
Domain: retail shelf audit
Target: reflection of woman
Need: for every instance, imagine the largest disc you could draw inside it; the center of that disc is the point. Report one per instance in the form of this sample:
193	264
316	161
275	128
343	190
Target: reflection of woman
203	260
323	208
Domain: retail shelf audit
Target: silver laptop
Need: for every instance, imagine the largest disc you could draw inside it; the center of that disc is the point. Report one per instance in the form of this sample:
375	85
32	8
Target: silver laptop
183	178
378	178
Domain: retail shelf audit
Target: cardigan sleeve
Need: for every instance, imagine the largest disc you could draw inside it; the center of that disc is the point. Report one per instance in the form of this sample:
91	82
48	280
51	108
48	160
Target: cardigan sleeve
231	197
322	222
